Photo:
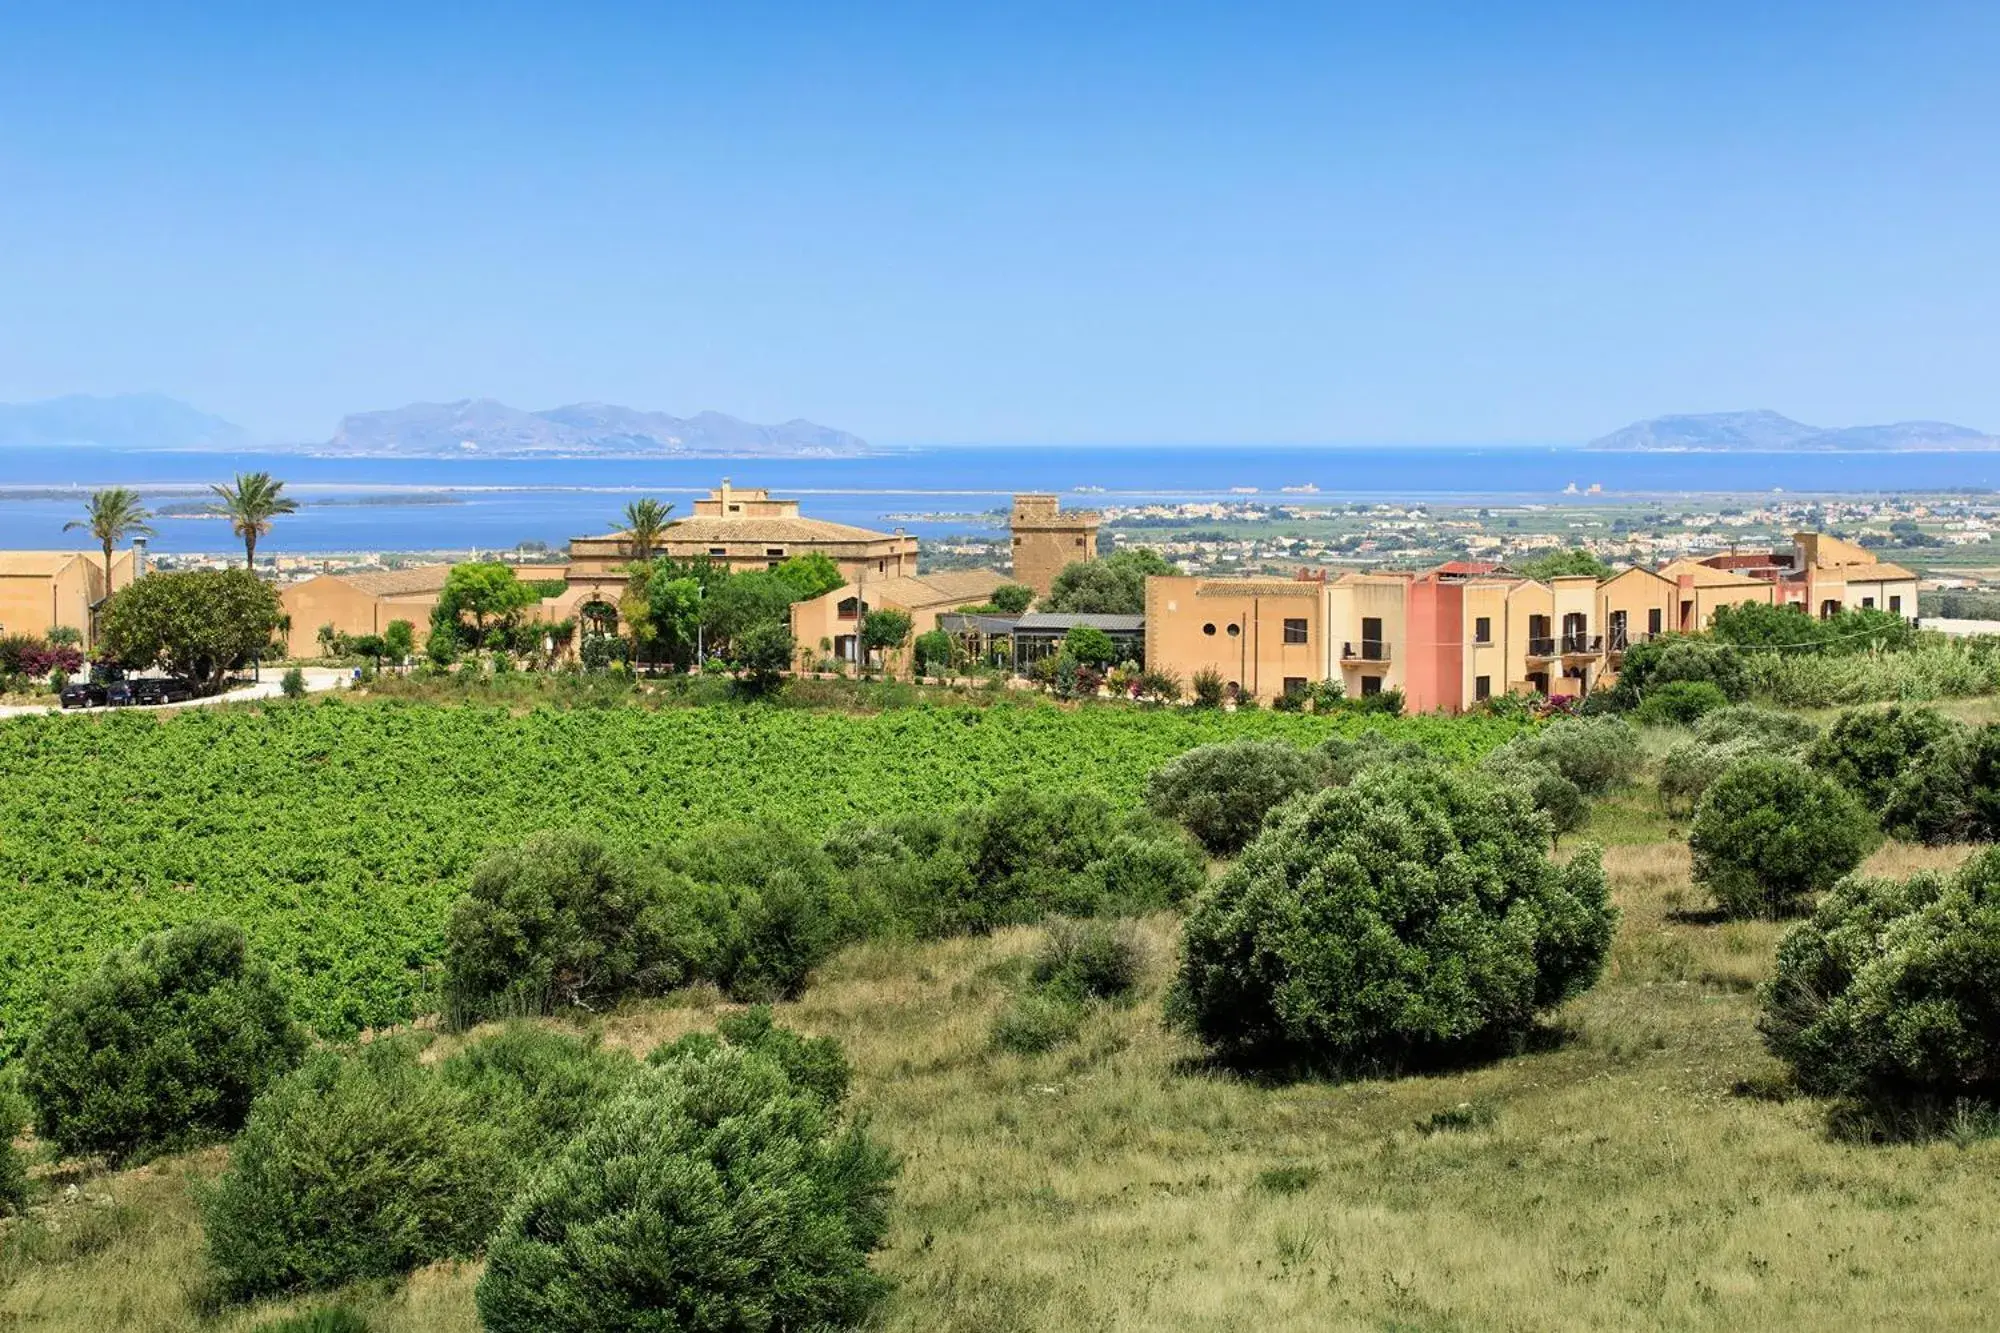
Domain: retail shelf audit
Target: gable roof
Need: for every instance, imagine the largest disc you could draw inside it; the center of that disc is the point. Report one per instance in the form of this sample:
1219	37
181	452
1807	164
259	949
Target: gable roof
719	531
398	582
1708	576
36	564
947	587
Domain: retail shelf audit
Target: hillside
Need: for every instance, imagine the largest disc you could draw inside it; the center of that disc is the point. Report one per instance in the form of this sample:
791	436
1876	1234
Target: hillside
125	421
1765	431
485	428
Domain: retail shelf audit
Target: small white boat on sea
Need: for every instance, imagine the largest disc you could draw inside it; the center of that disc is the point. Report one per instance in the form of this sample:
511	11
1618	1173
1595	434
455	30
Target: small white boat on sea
1306	489
1242	490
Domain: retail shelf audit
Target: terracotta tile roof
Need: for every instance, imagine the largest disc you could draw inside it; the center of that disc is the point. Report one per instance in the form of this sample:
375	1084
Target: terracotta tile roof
945	588
1880	570
1707	576
753	528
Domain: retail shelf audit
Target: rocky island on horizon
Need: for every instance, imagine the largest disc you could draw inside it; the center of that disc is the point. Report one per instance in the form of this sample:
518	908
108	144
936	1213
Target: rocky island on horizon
1765	431
469	428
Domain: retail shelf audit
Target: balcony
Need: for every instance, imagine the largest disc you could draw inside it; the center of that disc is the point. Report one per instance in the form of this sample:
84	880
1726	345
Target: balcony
1582	645
1542	648
1366	651
1620	640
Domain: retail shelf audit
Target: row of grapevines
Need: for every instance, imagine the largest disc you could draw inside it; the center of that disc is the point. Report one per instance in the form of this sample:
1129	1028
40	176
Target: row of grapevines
338	834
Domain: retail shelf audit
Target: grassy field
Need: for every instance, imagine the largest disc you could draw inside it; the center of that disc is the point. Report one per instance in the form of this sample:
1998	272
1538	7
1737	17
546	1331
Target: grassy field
1624	1174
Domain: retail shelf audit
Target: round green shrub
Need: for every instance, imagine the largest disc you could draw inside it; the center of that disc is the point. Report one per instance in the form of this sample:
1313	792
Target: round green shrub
1411	918
1558	799
1890	993
1867	749
1221	793
1594	754
789	906
1690	767
815	1065
1771	729
1020	857
1089	960
1142	870
711	1193
13	1171
162	1048
1037	1022
535	1085
562	921
357	1165
1677	657
1769	832
1934	797
1680	703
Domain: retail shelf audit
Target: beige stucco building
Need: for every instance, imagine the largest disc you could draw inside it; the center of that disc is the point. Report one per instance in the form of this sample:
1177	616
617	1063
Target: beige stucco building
834	619
1455	635
44	590
744	529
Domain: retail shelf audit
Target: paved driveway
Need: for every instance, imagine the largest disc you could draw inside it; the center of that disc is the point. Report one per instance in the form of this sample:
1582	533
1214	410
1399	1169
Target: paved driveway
318	680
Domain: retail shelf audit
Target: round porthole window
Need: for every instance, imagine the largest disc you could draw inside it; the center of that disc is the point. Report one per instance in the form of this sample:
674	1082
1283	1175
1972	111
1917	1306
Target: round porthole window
1208	630
1235	630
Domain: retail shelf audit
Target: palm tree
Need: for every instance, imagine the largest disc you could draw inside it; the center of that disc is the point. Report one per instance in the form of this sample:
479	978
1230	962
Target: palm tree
114	514
250	505
646	519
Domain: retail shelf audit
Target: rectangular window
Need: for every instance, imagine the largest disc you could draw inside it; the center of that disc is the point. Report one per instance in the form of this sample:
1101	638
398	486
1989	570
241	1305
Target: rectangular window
1295	630
1295	685
718	550
1371	684
1868	603
1482	688
774	550
1653	618
1896	605
772	564
1482	630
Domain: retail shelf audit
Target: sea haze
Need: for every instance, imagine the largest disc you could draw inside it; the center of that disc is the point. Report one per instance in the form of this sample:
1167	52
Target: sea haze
499	502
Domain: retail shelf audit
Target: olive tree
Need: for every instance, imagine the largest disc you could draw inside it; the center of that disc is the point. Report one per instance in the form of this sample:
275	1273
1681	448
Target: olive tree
1409	918
1770	832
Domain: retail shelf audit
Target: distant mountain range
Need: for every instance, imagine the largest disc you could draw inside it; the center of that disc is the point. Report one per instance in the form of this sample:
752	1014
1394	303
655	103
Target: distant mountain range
1769	432
483	428
474	428
128	421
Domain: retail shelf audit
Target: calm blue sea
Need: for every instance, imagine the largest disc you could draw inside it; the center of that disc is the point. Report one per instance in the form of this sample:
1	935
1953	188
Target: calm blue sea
502	502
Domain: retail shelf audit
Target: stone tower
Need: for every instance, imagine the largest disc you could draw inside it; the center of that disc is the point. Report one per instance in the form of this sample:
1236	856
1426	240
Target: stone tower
1046	539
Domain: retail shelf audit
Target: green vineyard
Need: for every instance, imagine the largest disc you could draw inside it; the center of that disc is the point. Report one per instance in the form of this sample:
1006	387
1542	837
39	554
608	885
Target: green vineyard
338	835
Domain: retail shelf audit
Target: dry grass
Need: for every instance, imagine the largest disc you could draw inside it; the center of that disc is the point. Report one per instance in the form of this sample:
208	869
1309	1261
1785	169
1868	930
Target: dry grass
1620	1182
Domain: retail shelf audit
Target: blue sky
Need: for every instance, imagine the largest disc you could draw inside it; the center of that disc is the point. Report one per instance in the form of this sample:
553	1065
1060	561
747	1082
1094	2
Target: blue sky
1082	223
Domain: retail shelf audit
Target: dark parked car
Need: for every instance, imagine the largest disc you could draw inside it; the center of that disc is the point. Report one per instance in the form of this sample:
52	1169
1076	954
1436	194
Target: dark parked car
82	694
162	690
94	688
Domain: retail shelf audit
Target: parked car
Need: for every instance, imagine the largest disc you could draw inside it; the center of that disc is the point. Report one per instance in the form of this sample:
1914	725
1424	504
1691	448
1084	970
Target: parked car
93	688
162	690
82	694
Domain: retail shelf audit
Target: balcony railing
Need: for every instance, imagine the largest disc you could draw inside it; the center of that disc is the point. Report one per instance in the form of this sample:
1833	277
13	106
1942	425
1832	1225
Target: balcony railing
1619	640
1582	645
1368	650
1541	647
